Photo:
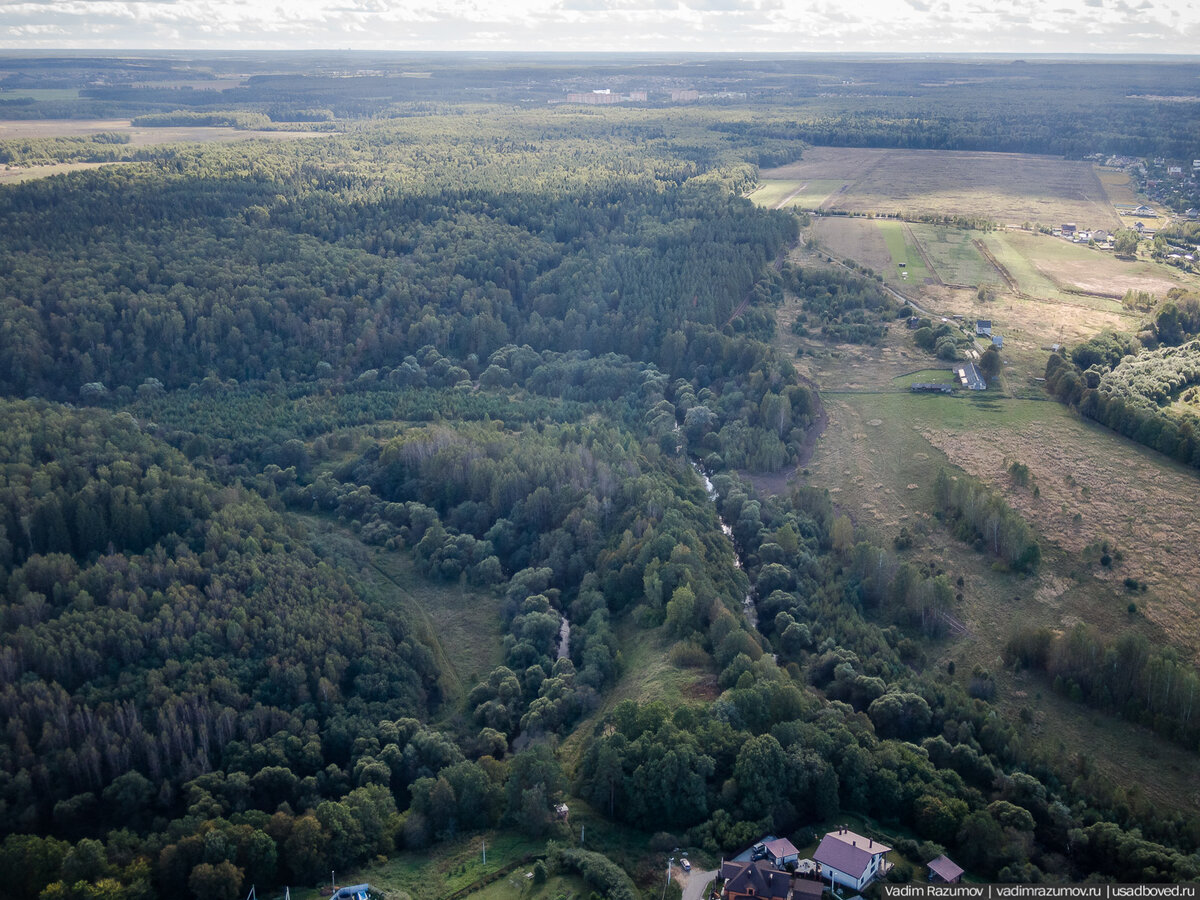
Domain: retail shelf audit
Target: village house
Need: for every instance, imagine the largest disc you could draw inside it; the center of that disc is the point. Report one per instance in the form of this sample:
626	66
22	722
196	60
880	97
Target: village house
781	852
755	879
970	377
983	327
850	859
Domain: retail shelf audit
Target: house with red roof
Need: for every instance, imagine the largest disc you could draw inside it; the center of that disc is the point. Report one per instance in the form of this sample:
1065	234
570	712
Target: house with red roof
850	859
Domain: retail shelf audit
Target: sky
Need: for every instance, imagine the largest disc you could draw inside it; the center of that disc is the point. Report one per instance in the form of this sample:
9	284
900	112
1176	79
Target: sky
910	26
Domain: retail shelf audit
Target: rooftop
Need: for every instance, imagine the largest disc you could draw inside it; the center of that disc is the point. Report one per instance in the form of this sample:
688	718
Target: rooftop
760	878
848	852
945	868
781	847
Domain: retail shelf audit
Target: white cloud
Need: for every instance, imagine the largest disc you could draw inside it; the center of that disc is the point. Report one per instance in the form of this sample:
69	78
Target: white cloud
659	25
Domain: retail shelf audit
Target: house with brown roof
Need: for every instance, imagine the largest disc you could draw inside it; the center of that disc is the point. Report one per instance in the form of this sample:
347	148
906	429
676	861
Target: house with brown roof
944	870
755	879
850	859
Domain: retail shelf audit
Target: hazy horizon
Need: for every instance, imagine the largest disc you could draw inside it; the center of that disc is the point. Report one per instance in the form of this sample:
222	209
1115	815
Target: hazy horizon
1021	27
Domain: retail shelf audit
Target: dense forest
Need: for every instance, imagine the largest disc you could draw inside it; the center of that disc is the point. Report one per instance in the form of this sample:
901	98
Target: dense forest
497	345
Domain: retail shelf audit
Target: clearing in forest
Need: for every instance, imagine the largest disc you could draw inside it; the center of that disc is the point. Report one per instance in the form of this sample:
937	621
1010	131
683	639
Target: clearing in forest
780	193
1004	187
463	627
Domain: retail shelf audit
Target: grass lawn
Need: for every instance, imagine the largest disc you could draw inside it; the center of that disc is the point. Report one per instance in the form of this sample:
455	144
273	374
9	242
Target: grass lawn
925	376
903	250
955	256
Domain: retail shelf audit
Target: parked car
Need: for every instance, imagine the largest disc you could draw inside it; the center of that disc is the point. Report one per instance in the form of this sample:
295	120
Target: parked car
758	852
685	865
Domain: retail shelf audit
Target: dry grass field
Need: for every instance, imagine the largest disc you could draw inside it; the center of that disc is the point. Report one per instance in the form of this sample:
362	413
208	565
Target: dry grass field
1004	187
1141	503
1117	185
17	174
856	239
138	137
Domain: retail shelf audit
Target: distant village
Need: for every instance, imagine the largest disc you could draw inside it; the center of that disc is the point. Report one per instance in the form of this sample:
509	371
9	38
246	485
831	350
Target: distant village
609	97
1172	184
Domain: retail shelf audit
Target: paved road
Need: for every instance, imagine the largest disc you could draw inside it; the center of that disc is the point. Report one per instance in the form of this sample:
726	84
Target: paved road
693	887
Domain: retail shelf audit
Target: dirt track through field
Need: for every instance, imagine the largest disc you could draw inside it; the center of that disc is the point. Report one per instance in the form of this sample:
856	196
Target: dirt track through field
788	199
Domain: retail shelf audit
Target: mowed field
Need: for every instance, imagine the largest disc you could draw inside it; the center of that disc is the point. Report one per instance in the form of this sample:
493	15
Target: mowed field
1052	268
1004	187
780	193
955	257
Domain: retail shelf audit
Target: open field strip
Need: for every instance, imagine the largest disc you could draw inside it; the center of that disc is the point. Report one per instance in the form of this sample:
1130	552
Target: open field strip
905	256
777	194
1004	187
1117	185
954	255
772	193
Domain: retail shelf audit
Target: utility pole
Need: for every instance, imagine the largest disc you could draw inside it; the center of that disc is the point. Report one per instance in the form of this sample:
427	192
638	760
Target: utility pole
484	850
